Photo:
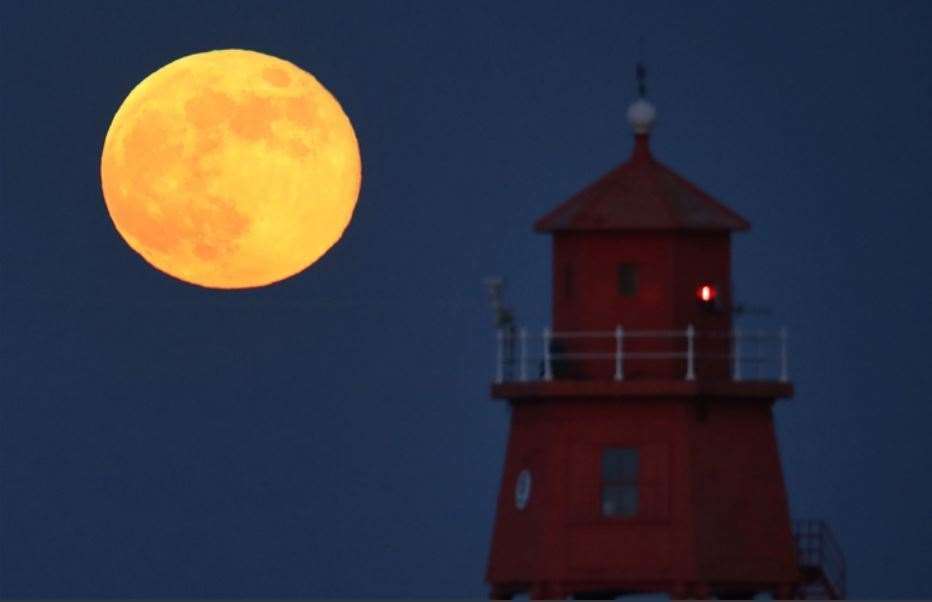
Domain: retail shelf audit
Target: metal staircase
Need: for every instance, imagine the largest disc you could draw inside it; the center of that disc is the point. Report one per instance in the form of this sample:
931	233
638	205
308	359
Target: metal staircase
821	562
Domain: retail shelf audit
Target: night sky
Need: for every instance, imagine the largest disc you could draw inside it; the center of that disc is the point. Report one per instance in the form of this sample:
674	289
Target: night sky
332	435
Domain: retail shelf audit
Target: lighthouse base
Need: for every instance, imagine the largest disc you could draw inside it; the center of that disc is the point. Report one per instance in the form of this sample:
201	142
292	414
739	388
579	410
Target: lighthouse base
617	488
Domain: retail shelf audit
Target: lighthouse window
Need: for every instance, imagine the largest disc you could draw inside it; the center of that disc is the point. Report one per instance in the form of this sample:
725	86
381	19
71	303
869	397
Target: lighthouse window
620	481
627	279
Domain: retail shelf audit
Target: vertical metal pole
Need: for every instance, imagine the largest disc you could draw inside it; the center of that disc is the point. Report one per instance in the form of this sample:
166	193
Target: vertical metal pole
522	339
500	367
736	354
619	353
548	369
690	367
784	369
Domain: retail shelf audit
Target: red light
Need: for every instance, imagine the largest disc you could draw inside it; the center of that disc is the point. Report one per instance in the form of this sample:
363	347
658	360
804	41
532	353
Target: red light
706	293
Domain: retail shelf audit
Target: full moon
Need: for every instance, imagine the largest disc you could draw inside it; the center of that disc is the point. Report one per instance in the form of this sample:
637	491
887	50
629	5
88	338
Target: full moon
230	169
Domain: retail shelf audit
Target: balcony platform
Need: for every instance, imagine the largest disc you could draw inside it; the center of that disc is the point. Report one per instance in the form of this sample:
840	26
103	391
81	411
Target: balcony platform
589	389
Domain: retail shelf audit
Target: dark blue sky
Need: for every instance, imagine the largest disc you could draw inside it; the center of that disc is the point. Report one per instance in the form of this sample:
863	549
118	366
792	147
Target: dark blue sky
332	435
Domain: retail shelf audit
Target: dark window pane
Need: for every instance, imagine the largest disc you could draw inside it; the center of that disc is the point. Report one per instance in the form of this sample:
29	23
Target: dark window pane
627	279
619	500
620	464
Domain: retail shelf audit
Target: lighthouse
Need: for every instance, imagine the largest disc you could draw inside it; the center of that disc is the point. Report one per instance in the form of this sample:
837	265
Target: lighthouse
641	454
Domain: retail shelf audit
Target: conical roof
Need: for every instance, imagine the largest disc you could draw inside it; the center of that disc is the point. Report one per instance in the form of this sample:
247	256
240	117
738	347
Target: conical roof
641	194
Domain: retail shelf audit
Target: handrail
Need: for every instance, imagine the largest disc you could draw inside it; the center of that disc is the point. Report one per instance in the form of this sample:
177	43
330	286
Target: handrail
817	549
512	364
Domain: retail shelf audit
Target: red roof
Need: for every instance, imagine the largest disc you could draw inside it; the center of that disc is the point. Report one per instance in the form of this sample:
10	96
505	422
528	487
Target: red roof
641	194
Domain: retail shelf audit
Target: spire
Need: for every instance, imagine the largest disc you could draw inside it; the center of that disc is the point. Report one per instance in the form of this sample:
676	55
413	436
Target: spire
641	74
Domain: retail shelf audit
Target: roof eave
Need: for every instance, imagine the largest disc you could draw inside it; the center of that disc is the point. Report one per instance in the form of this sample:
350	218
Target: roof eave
544	228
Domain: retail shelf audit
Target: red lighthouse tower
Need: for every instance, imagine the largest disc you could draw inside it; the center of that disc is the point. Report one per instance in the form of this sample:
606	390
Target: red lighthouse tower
642	455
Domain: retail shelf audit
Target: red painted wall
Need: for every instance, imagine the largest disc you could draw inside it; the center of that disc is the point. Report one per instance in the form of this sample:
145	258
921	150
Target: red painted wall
712	507
742	517
591	300
704	257
670	267
526	536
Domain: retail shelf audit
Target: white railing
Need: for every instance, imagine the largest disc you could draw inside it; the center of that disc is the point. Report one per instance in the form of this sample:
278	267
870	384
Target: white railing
750	354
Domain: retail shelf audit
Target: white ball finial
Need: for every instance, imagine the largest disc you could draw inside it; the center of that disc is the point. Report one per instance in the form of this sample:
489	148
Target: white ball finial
641	116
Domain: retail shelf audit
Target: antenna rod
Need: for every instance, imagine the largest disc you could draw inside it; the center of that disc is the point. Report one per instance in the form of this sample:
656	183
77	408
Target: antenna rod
641	75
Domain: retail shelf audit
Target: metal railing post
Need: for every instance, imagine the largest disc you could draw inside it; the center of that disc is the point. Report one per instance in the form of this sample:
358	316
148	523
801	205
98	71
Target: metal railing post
690	367
500	367
619	351
736	353
548	369
784	370
522	341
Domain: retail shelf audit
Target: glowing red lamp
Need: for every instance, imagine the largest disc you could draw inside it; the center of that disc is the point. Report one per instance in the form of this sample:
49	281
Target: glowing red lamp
706	293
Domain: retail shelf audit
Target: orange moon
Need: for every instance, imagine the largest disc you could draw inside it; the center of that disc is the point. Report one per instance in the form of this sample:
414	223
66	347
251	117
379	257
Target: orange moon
230	169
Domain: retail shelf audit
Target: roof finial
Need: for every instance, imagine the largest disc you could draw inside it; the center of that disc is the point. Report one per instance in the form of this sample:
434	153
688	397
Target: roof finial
641	113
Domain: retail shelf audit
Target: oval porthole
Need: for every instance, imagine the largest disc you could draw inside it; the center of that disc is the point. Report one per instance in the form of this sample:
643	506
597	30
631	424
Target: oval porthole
523	489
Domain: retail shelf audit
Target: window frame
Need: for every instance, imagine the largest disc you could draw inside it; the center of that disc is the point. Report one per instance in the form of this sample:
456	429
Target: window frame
627	280
625	480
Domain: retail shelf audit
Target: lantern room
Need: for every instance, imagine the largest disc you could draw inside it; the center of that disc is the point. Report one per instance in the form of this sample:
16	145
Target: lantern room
644	249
